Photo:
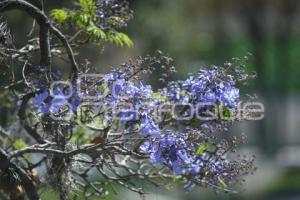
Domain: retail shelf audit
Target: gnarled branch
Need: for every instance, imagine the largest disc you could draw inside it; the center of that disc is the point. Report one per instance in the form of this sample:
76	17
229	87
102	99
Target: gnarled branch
26	181
45	26
42	20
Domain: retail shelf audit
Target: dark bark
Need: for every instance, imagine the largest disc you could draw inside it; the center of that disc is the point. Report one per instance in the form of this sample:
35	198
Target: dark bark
22	115
25	180
45	26
42	20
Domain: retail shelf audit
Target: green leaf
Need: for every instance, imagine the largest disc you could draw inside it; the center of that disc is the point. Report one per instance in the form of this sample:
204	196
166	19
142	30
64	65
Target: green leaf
183	93
88	6
60	15
85	18
202	148
103	89
176	179
222	184
80	135
20	144
158	96
119	39
96	123
96	33
227	113
125	39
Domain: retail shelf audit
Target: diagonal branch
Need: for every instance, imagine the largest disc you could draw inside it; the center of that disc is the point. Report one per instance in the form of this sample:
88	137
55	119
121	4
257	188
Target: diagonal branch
68	47
45	26
42	20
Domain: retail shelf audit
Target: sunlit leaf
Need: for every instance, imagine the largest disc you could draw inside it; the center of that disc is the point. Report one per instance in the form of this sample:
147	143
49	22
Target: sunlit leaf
202	148
59	15
20	144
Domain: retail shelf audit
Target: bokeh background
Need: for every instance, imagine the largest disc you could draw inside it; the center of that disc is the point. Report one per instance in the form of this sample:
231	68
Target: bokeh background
199	33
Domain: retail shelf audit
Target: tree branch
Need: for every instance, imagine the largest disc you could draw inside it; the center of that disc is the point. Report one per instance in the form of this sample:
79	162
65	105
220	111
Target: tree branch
45	25
42	20
68	47
22	115
26	181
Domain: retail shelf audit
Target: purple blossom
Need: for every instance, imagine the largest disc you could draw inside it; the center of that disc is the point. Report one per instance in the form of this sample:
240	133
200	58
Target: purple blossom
148	127
173	143
39	102
46	103
230	96
171	150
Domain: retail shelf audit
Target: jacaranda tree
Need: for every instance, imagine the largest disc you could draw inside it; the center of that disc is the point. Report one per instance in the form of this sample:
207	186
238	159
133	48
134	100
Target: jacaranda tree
85	133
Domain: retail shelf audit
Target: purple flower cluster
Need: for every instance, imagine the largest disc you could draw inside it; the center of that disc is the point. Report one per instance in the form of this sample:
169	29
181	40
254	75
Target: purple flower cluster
172	146
46	103
148	127
187	151
173	150
205	86
187	158
122	91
